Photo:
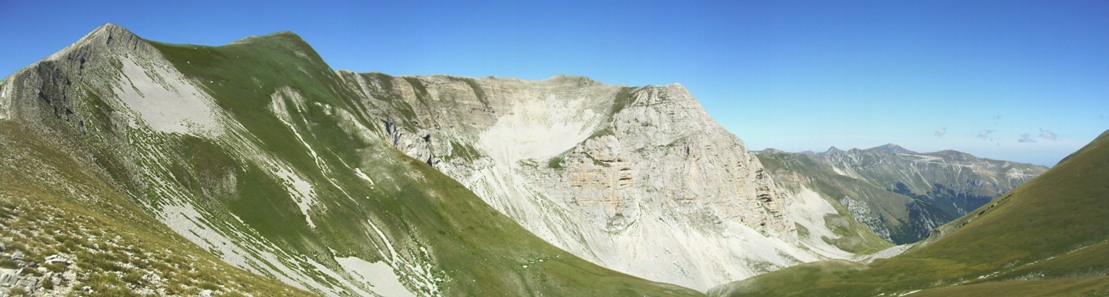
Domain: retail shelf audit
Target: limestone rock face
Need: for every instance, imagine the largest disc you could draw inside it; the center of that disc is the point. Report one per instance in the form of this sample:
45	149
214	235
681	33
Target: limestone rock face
640	180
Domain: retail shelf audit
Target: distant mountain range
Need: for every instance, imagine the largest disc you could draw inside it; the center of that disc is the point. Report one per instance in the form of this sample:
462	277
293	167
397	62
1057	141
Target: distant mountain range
900	194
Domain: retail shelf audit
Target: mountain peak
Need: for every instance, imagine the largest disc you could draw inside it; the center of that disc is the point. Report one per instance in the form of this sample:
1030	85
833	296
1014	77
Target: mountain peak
579	80
677	87
769	151
107	32
109	26
106	38
889	147
284	41
283	36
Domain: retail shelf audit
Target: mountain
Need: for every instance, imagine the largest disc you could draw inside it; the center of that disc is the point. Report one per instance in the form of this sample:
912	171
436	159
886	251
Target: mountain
637	179
900	194
1048	237
134	167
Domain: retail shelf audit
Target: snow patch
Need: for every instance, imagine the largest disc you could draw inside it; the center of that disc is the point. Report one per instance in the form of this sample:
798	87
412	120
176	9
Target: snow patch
165	100
378	275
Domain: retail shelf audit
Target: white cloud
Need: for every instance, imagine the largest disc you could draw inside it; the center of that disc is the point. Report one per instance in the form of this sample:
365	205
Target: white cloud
941	132
1026	138
1045	134
985	133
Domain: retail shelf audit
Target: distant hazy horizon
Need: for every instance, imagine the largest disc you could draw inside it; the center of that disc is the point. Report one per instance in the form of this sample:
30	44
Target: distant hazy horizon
1012	80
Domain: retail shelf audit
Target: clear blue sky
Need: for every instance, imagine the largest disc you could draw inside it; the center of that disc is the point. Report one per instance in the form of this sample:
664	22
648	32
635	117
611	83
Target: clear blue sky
1015	80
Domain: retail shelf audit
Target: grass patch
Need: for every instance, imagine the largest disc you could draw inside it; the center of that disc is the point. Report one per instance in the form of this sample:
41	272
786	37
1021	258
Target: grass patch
464	151
624	98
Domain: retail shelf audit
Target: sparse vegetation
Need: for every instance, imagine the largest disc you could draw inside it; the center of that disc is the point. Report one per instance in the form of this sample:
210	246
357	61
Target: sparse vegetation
112	242
466	152
624	98
556	161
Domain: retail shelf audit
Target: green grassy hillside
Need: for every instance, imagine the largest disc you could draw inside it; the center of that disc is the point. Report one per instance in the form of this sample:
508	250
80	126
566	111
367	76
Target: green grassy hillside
479	251
52	203
1047	237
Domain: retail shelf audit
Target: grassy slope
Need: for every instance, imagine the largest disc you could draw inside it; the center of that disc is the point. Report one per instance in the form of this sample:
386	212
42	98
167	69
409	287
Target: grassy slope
1050	234
53	202
479	251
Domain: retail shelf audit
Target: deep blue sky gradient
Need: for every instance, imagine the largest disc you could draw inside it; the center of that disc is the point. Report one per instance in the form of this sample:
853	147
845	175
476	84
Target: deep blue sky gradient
793	75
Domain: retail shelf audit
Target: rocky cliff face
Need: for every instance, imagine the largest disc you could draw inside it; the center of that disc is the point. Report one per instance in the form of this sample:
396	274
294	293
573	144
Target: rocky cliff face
900	194
640	180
